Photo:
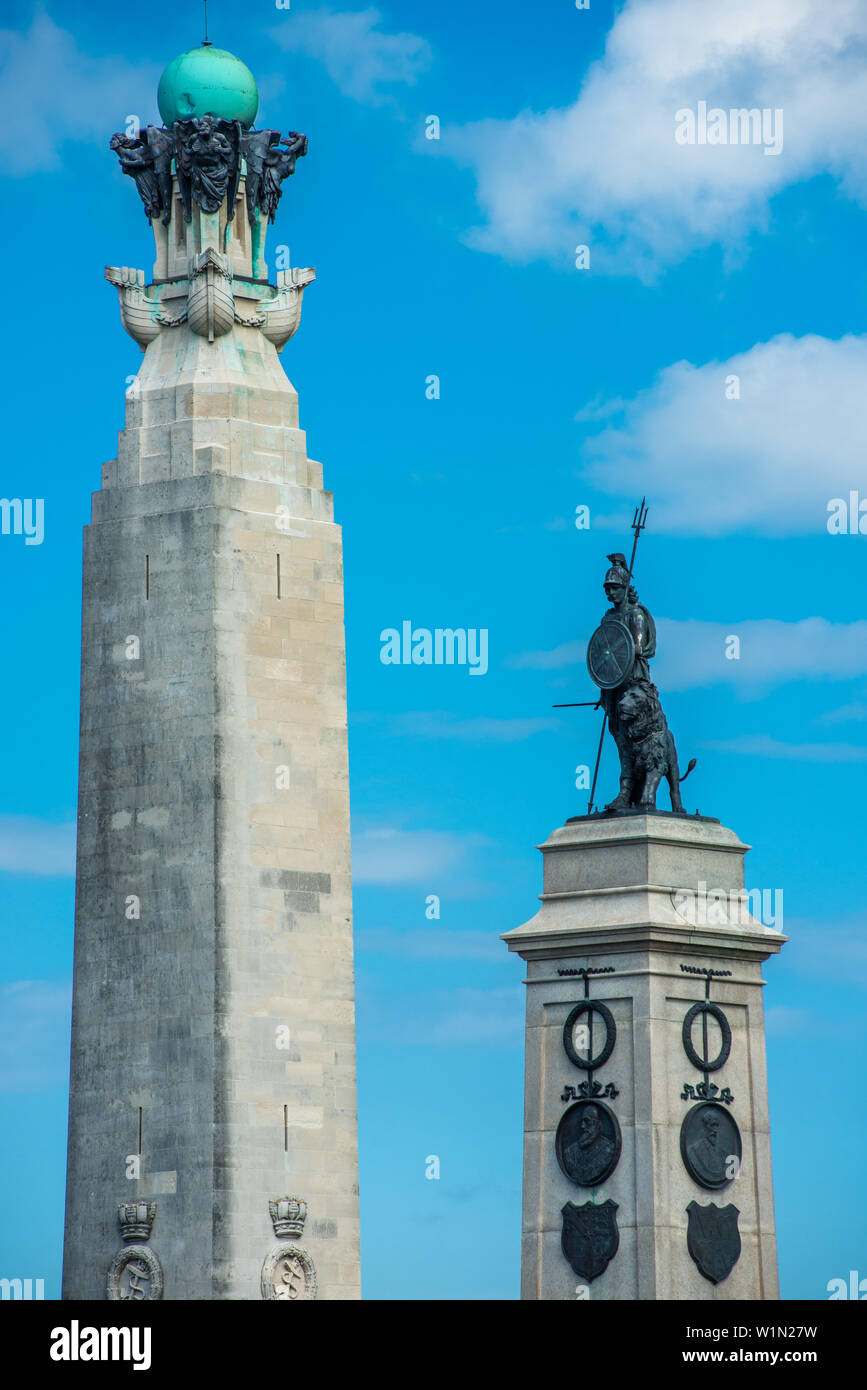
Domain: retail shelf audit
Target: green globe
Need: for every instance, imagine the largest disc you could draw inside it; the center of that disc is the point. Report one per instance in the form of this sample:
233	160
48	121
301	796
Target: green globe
208	80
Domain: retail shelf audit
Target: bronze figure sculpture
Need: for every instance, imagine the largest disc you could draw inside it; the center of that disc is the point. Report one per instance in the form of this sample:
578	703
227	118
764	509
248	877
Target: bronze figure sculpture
209	155
618	654
137	160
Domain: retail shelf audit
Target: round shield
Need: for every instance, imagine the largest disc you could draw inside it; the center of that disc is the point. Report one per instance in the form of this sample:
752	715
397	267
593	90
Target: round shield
610	654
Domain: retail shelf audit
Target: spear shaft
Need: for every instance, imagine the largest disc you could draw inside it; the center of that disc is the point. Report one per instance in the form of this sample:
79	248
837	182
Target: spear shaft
598	760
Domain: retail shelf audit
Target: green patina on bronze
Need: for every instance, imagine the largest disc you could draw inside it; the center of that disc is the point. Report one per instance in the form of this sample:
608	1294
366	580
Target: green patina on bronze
256	244
208	81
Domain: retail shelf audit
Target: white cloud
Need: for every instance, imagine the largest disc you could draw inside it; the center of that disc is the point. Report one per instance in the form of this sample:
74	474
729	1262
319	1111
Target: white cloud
607	169
769	462
772	652
432	943
51	92
390	856
481	1017
763	746
784	1022
34	1034
30	846
693	653
567	654
459	1017
480	729
359	58
833	951
852	713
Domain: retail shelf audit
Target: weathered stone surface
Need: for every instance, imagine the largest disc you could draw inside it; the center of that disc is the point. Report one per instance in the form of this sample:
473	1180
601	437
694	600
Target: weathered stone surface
608	902
214	791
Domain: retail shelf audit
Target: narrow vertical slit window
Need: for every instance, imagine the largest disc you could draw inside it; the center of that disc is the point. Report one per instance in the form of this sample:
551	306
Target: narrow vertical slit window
147	576
286	1129
139	1131
279	595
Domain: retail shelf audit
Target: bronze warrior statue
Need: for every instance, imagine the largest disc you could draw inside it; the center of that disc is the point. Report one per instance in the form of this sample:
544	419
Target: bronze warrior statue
618	654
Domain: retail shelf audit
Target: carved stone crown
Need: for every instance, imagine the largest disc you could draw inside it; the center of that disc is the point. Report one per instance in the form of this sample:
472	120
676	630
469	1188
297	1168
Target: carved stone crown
288	1215
136	1219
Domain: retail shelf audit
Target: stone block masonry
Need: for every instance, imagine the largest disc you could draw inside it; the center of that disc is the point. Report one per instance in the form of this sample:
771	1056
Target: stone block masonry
667	1162
213	1014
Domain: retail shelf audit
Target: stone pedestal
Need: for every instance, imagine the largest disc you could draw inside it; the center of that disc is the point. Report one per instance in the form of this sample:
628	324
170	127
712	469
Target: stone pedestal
636	911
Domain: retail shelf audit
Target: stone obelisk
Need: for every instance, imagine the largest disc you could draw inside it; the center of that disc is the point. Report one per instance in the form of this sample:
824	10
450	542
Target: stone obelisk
647	1162
212	1134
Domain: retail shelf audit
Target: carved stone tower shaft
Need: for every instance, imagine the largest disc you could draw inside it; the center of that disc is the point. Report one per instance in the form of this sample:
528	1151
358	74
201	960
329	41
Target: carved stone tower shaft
213	1053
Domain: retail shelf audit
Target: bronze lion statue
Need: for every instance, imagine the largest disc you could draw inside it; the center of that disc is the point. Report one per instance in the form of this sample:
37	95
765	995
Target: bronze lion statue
650	744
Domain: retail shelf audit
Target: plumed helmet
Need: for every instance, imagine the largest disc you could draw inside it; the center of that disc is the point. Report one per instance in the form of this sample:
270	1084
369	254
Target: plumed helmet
618	573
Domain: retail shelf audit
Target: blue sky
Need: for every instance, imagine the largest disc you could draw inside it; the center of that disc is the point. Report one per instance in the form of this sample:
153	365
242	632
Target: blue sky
558	387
